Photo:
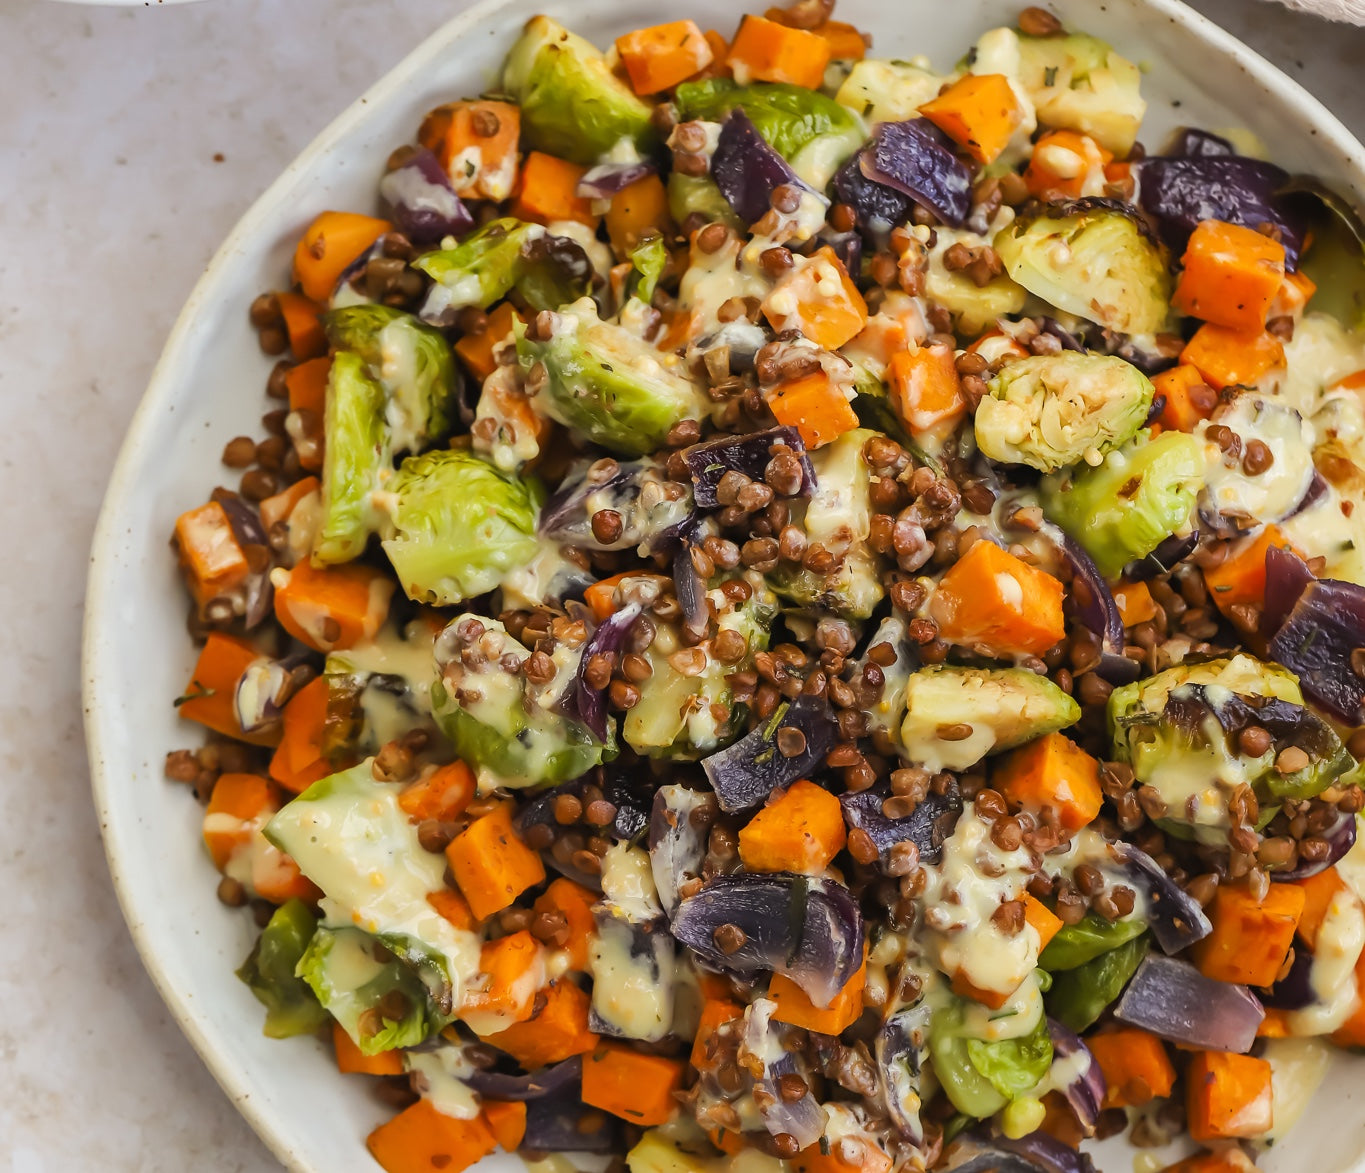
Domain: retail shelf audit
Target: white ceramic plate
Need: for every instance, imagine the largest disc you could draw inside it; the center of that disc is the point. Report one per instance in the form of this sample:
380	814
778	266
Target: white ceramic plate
209	384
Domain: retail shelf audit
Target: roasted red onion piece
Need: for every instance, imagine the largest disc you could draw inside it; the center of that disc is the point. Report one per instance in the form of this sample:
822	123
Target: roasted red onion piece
1176	919
912	158
745	773
750	454
423	200
1317	643
1175	1001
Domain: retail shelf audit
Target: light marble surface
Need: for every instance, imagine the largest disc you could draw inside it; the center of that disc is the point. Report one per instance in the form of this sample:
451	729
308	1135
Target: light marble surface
112	199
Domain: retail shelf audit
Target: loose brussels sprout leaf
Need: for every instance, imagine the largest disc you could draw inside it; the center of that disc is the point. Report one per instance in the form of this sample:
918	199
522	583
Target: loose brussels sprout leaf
290	1008
1078	82
813	132
499	720
839	517
411	359
343	968
554	270
691	716
1091	258
1129	504
356	453
1079	996
650	258
888	91
572	105
1179	731
457	525
350	837
604	382
1075	945
980	1077
478	271
699	193
1053	410
1004	707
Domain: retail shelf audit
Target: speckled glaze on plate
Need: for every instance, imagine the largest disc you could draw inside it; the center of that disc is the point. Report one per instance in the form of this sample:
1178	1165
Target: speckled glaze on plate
208	386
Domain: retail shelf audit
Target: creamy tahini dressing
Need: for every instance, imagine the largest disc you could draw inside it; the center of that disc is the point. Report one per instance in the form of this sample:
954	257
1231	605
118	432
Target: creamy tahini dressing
974	878
1297	1068
255	862
632	990
440	1076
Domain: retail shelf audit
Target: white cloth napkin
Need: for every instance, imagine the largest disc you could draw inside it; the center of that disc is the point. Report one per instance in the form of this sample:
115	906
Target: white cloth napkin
1351	11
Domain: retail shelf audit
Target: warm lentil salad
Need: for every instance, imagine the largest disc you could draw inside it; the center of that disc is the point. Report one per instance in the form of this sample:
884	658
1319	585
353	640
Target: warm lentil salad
801	612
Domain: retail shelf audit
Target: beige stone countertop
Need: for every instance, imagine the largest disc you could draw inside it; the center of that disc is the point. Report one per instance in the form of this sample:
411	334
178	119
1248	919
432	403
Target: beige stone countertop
131	139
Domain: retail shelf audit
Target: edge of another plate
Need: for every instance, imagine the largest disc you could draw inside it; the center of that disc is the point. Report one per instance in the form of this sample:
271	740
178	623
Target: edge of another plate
168	375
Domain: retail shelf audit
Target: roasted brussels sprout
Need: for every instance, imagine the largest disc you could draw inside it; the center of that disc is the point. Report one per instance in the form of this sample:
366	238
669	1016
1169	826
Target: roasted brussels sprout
1051	411
269	971
456	525
839	517
1077	82
888	91
497	718
357	452
599	379
689	716
981	1076
1091	258
974	307
478	271
1180	730
412	361
1138	496
650	258
342	967
813	132
572	105
1002	708
1079	996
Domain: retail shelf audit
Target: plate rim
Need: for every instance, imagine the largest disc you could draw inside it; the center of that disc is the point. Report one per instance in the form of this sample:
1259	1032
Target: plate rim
236	1082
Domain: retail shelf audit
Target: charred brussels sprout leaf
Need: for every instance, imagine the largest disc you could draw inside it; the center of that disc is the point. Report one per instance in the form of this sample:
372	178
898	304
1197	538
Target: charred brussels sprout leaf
1138	496
1091	258
572	105
502	723
412	361
478	271
1053	410
357	451
457	525
606	383
813	132
1077	82
1004	707
290	1007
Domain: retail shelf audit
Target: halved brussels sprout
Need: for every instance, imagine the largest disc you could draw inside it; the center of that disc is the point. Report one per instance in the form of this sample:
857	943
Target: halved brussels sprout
1092	258
813	132
699	193
1050	411
839	517
356	454
682	716
456	525
1078	82
999	708
888	91
1130	503
343	969
411	359
1180	730
601	380
269	970
572	105
981	1076
478	271
497	718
